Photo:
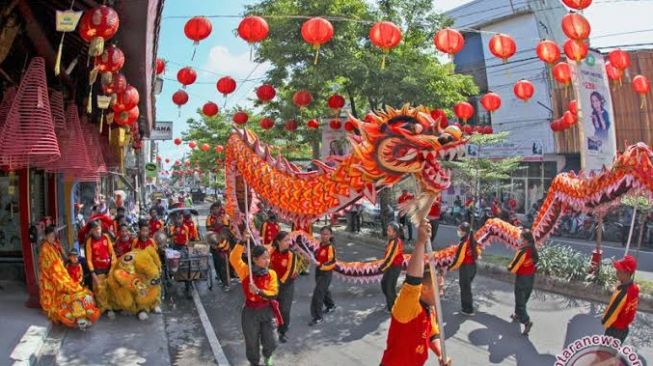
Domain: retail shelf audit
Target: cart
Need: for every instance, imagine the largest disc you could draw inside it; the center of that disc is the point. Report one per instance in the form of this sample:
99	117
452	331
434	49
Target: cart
188	266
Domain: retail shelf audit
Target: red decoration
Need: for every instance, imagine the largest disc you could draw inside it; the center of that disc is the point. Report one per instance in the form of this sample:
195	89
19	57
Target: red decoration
349	127
160	66
197	29
486	130
491	102
240	117
573	107
111	60
576	50
614	73
302	98
548	51
158	158
468	129
266	123
137	145
316	32
386	36
100	22
335	124
336	102
557	125
619	59
115	83
313	124
210	109
177	141
641	85
186	76
126	100
265	93
577	4
575	26
180	97
167	161
562	73
126	118
569	119
187	163
502	46
219	149
205	147
226	85
464	111
449	41
440	114
253	29
524	90
291	125
192	145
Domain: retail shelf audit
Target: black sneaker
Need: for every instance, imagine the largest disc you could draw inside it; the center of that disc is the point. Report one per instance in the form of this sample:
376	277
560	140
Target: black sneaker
329	309
527	328
514	318
315	321
283	338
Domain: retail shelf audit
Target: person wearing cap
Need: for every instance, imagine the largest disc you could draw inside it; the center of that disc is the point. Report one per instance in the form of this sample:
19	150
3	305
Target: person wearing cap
465	262
123	242
180	233
524	266
99	257
269	231
413	325
74	268
622	308
155	222
194	235
392	262
403	219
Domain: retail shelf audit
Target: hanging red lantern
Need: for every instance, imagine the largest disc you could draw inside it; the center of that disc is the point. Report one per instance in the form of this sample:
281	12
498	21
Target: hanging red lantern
577	4
115	83
167	160
569	119
126	100
226	85
177	141
160	66
313	124
386	36
619	59
197	29
557	125
240	117
548	51
302	98
464	111
265	93
573	107
111	60
219	149
335	124
126	118
316	32
562	73
576	50
187	163
180	97
449	41
614	73
186	76
524	90
575	26
491	102
158	158
192	145
266	123
642	86
291	125
205	147
98	25
349	127
253	29
441	116
177	163
336	102
502	46
210	109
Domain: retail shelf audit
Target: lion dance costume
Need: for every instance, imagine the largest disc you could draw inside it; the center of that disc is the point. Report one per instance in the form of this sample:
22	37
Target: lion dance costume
135	281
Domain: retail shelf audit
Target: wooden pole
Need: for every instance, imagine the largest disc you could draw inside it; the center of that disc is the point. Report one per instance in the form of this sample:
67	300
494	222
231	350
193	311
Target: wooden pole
248	233
630	232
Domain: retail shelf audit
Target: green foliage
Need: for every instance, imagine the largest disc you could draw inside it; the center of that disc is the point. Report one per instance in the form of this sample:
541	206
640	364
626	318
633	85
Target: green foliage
562	261
642	203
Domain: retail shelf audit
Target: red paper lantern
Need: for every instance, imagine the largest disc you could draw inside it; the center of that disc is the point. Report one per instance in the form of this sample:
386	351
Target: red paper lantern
197	29
441	115
205	147
226	85
524	90
187	163
386	36
266	123
291	125
548	51
115	83
573	107
641	85
575	26
210	109
186	76
502	46
316	32
100	22
160	66
219	149
349	127
491	102
335	124
158	158
313	124
302	98
614	73
619	59
253	29
265	93
167	161
557	125
449	41
336	102
126	100
111	60
177	141
576	50
240	117
577	4
126	118
569	119
464	111
180	97
562	73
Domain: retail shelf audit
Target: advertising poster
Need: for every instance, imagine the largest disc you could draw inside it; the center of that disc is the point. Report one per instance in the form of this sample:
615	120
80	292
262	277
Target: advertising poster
334	142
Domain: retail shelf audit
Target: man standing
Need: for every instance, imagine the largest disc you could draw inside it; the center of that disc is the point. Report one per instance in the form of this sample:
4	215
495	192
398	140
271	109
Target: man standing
403	219
99	257
622	308
392	262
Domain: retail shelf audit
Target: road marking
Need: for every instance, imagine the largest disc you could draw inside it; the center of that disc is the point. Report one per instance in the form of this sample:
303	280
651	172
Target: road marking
216	348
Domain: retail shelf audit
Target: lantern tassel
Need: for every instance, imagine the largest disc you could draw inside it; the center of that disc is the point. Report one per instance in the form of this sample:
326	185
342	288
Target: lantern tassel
109	134
194	50
101	120
642	103
251	51
383	62
57	63
89	105
317	54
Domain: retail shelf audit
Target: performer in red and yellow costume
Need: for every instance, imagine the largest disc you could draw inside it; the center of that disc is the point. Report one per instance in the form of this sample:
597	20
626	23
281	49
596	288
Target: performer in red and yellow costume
194	235
393	261
74	268
123	242
622	309
180	233
156	223
269	231
99	258
284	262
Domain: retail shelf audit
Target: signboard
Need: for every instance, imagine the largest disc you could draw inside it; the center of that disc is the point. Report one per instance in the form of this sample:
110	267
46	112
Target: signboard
595	114
161	131
529	150
334	142
151	170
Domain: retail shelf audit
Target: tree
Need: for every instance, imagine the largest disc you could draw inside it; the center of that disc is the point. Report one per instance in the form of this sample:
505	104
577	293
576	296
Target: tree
478	174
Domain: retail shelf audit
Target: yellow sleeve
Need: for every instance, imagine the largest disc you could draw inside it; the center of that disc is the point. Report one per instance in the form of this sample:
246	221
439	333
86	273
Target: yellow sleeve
236	260
331	260
390	255
273	291
407	306
133	246
264	229
517	261
89	255
461	252
615	306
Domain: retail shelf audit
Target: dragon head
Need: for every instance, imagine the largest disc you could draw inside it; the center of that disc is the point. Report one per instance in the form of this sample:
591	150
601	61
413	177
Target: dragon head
396	142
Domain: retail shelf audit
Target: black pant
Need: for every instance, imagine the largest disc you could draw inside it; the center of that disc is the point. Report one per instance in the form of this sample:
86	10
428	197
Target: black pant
434	228
286	294
258	331
355	222
321	294
404	220
620	334
389	285
523	290
466	274
220	265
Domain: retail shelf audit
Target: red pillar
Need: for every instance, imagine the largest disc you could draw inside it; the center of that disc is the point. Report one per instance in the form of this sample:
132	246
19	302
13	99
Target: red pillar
28	259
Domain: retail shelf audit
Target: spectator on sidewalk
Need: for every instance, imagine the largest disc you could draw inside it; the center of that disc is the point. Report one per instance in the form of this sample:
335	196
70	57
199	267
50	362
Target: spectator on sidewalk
326	262
465	263
524	266
392	262
622	308
403	219
284	262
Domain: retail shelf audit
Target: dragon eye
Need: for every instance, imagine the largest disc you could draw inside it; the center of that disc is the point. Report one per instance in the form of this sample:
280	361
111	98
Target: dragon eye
418	128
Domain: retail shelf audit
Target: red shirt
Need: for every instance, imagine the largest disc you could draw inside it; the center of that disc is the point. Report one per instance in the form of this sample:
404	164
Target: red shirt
269	231
155	225
522	264
326	257
122	246
405	197
622	308
75	271
434	212
284	264
512	203
99	253
215	223
193	234
394	254
140	245
267	282
180	234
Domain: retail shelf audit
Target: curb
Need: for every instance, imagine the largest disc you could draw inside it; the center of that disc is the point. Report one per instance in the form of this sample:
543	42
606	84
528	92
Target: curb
216	348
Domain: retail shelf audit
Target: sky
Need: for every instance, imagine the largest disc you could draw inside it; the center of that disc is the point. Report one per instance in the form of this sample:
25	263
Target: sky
223	53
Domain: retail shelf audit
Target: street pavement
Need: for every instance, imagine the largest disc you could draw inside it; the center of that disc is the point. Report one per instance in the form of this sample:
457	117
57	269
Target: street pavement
355	333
